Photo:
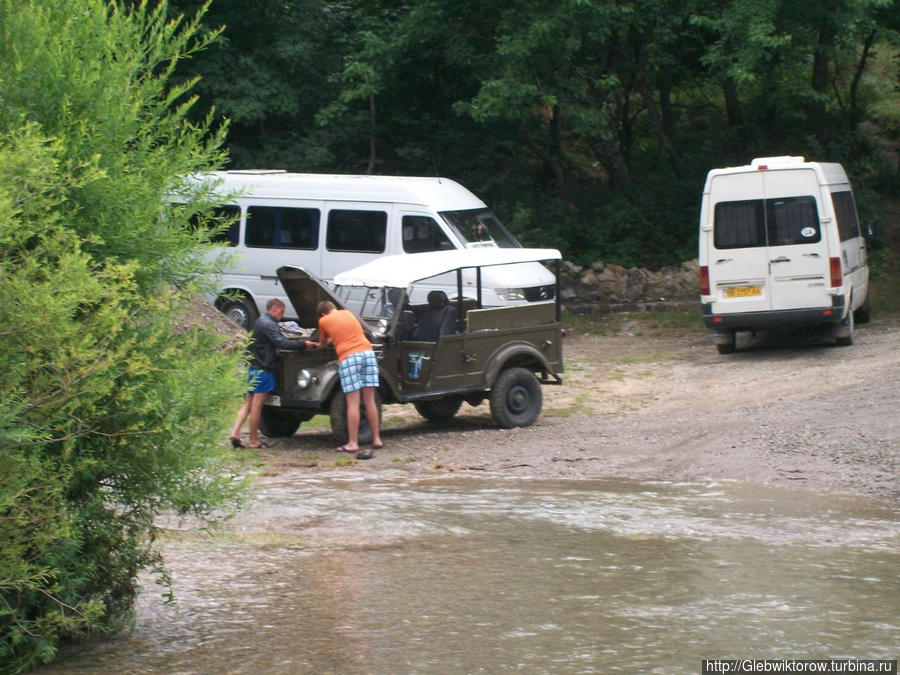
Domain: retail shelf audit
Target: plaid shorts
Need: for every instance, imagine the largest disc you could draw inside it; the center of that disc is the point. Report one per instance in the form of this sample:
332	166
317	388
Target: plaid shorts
358	370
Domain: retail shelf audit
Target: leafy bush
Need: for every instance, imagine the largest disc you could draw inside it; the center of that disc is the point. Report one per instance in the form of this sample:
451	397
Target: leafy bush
113	400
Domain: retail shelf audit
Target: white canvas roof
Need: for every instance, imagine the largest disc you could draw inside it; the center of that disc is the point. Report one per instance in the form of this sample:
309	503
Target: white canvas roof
400	271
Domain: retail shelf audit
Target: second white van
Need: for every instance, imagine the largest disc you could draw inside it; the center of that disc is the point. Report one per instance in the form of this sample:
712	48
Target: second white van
780	245
329	224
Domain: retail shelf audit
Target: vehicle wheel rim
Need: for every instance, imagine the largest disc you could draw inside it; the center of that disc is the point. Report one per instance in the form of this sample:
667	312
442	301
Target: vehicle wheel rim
238	315
517	400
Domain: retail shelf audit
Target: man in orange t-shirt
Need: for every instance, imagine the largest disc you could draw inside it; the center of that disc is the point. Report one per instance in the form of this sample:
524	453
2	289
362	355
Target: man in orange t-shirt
357	368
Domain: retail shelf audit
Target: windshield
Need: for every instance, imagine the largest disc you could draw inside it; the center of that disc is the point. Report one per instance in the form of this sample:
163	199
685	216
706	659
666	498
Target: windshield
479	228
370	303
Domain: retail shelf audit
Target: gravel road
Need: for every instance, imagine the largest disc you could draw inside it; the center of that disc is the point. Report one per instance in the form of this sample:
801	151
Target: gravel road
783	410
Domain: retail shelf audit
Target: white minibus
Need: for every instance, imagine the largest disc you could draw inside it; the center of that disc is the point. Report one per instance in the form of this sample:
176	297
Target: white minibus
780	245
328	224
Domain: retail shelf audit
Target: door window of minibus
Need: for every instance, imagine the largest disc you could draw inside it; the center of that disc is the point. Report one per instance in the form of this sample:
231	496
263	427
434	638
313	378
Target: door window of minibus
356	231
422	234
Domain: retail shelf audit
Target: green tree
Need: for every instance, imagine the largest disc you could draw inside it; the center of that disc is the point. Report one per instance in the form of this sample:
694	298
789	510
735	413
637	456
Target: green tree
114	398
586	124
268	74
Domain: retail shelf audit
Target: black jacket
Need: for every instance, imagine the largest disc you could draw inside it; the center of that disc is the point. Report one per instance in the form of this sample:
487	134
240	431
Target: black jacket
267	338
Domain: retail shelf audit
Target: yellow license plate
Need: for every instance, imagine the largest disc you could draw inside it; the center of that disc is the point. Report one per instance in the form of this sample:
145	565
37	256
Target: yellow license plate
742	291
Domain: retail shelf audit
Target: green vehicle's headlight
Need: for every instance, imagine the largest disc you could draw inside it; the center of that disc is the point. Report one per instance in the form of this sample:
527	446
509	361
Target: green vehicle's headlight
304	379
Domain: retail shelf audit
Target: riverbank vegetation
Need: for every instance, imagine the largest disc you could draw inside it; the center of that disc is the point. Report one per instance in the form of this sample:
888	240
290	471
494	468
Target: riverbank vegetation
113	402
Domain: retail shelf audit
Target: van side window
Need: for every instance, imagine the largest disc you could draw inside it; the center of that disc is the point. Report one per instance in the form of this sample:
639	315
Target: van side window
845	212
282	227
229	212
739	224
357	231
422	234
792	220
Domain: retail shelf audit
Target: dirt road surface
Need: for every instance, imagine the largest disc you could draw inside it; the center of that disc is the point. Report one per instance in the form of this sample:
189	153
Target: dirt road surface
651	404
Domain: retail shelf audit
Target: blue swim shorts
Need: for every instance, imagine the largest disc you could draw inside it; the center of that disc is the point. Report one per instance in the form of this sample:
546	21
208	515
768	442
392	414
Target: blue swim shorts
358	370
260	381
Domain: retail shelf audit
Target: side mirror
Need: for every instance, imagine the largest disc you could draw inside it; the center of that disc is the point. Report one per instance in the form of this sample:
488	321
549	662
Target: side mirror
870	227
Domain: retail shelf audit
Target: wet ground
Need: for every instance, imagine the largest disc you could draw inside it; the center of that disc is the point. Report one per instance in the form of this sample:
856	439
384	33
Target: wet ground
346	573
670	505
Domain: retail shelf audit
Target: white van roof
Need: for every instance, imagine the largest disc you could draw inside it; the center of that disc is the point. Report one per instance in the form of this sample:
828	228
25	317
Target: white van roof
441	194
828	173
399	271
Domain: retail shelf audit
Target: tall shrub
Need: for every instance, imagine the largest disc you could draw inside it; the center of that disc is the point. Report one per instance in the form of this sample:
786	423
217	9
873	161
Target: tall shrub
114	397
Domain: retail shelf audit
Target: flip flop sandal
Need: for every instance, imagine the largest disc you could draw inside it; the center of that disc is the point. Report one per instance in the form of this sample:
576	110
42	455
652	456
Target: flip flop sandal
262	444
236	442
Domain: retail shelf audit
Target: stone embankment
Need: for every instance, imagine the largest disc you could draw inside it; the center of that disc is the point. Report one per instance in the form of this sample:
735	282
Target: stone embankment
601	288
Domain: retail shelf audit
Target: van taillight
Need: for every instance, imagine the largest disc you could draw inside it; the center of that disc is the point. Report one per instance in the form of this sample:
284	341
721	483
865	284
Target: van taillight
837	275
704	280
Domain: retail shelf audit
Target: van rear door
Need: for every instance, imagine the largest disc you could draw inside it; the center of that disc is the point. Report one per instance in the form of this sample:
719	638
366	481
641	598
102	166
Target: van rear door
738	259
768	250
797	242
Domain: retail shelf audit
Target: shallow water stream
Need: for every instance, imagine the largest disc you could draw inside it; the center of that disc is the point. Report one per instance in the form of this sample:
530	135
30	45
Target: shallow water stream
342	573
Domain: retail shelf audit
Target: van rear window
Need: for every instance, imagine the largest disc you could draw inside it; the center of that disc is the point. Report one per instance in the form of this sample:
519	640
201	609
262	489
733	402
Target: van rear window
282	227
771	222
792	220
740	224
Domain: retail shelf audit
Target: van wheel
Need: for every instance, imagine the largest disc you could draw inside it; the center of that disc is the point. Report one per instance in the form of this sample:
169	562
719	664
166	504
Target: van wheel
242	311
278	423
864	313
728	344
338	413
439	410
516	398
845	330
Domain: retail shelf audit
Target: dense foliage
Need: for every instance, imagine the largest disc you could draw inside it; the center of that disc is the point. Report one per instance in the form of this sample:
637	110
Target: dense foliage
586	124
113	402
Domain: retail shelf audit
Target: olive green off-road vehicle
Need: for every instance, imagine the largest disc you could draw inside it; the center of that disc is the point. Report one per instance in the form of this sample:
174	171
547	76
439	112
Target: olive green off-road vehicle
434	351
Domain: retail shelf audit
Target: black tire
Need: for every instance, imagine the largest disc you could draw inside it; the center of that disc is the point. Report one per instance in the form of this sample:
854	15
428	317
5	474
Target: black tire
242	311
338	413
730	346
849	324
864	313
278	423
516	398
438	410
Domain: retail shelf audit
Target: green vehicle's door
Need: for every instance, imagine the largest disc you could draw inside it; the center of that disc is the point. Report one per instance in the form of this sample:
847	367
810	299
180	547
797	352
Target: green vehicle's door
416	366
433	367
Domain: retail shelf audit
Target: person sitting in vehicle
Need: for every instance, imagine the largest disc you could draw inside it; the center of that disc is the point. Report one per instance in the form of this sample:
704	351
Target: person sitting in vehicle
439	319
